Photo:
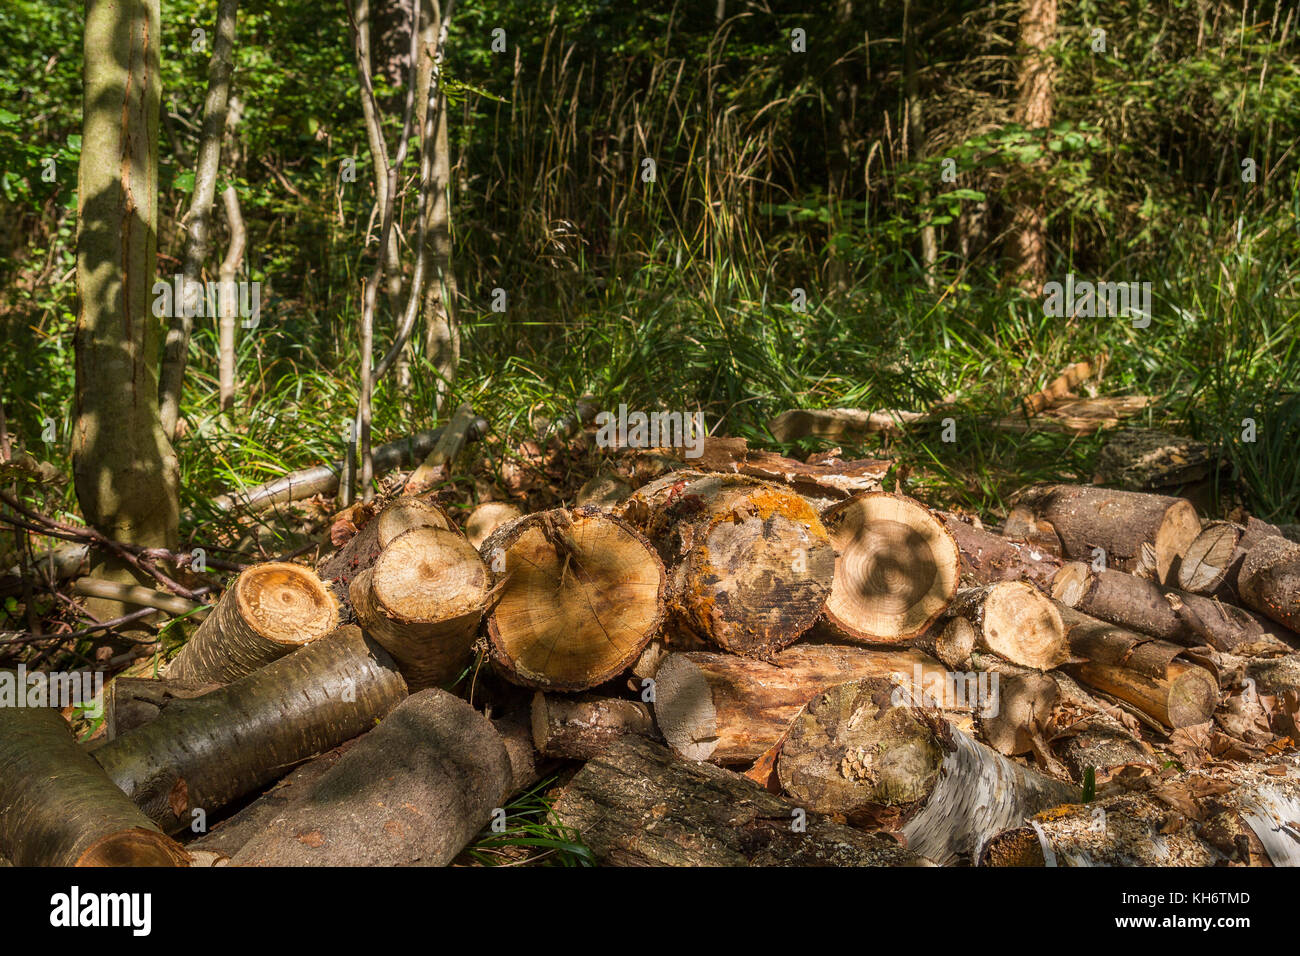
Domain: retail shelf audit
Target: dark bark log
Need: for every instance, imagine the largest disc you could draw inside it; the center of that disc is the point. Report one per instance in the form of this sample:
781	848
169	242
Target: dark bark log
580	595
270	610
636	805
1269	580
987	558
412	792
1143	534
59	807
1141	671
132	702
229	742
1166	613
579	728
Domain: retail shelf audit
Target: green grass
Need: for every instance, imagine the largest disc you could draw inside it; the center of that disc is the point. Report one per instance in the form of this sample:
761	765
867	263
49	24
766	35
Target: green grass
531	836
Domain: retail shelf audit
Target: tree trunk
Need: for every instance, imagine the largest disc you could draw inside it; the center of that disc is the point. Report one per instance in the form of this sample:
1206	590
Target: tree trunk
1140	671
1269	580
1243	816
270	610
580	595
1013	620
1027	241
229	313
987	558
412	792
229	742
60	809
125	470
751	563
897	569
579	728
637	805
176	350
441	328
423	600
1140	533
362	550
916	137
1166	613
730	710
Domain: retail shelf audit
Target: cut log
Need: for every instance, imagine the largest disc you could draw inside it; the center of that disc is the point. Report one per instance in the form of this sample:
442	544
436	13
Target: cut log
270	610
1213	560
825	479
858	750
898	568
840	424
602	491
751	563
1242	816
579	728
487	517
636	805
1269	580
413	791
60	808
423	600
1169	614
987	558
131	702
1140	670
580	594
231	741
1141	533
1013	620
729	710
363	548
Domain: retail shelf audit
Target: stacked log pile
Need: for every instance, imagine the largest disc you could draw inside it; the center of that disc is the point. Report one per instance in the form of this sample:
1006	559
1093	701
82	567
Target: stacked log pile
728	673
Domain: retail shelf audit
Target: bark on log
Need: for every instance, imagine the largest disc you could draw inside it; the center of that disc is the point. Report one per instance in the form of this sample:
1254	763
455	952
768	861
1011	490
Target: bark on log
413	791
1140	671
579	728
579	595
1243	816
637	805
231	741
1269	580
1166	613
423	600
135	594
752	564
1141	533
898	567
132	702
363	548
858	749
730	710
987	558
1013	620
270	610
60	808
1213	560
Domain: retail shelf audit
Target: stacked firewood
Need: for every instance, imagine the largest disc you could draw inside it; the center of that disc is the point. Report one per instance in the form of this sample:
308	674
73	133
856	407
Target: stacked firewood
760	662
